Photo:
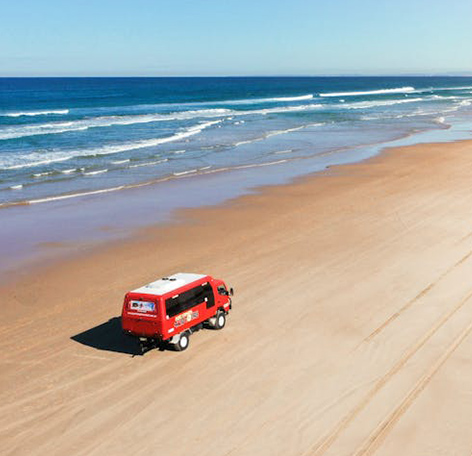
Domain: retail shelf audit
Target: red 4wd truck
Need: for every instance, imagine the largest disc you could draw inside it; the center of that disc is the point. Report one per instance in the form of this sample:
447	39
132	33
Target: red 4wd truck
170	309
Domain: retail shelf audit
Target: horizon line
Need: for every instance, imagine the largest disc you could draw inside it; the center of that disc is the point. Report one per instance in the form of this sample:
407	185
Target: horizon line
334	75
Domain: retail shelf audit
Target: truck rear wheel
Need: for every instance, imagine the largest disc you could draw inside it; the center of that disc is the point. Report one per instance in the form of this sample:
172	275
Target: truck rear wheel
220	320
183	342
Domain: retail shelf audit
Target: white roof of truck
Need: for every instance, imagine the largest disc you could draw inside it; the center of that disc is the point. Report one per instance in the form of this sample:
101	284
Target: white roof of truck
169	284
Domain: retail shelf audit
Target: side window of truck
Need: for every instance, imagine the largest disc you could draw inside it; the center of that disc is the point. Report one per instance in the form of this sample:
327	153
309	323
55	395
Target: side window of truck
189	299
177	304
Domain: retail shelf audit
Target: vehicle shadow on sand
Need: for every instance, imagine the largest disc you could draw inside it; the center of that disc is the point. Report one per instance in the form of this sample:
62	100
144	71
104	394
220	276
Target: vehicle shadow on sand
109	336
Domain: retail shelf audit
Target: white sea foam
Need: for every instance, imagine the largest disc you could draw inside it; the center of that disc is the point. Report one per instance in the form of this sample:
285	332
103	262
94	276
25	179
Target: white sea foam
34	130
442	89
119	162
416	113
156	162
241	101
369	92
69	171
155	142
16	187
94	173
260	165
300	98
248	141
143	184
35	113
38	175
123	147
184	173
282	132
282	109
34	159
75	195
246	101
20	131
249	101
375	104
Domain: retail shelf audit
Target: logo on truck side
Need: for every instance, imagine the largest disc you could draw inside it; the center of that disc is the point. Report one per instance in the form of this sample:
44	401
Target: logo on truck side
185	318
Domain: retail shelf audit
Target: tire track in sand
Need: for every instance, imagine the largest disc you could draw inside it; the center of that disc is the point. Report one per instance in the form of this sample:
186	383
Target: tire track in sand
423	292
325	443
372	443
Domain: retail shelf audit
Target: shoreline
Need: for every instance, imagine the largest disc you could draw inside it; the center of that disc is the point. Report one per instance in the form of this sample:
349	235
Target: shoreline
209	170
146	203
350	324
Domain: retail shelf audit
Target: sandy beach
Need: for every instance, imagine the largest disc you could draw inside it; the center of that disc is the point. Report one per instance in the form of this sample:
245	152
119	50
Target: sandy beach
350	332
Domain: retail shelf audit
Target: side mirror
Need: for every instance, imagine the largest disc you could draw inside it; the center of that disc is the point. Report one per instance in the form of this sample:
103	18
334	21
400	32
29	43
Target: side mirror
231	291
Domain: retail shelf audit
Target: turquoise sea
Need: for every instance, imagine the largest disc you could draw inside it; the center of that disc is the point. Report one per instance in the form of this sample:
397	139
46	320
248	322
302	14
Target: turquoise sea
70	136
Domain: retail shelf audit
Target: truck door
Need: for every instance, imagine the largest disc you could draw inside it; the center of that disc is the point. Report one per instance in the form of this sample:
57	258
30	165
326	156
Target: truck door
209	296
222	294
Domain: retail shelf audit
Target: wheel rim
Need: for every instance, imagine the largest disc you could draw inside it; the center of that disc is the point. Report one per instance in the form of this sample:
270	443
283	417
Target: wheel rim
221	320
183	341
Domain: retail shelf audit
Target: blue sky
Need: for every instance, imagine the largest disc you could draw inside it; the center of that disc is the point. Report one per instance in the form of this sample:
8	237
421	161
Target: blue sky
234	37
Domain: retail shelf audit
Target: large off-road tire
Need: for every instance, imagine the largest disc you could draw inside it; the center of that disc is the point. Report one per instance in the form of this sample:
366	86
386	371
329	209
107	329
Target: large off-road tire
183	342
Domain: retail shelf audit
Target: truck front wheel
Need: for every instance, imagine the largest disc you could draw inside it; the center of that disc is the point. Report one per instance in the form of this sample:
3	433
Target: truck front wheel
220	320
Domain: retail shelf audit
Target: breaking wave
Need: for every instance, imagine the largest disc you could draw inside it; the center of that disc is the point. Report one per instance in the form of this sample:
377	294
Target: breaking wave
443	89
233	102
85	124
34	113
156	162
266	100
94	173
369	92
375	104
33	159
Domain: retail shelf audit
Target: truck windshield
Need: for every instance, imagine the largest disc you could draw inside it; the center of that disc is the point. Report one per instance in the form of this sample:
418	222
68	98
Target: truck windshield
222	290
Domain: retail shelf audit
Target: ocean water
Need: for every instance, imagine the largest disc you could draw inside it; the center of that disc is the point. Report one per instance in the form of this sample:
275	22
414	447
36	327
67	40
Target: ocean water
63	138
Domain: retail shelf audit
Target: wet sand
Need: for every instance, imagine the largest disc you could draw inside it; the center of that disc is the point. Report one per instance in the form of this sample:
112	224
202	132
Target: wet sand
350	332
